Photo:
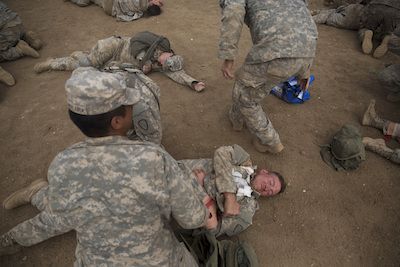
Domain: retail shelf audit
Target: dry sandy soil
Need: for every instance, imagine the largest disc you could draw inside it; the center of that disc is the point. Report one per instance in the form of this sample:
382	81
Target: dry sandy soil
325	218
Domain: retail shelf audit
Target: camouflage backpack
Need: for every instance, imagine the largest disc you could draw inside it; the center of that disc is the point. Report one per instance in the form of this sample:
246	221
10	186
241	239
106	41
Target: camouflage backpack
346	149
208	251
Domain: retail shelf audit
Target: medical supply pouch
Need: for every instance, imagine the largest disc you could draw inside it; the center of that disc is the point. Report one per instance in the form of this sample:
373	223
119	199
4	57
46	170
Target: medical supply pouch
290	92
346	149
208	251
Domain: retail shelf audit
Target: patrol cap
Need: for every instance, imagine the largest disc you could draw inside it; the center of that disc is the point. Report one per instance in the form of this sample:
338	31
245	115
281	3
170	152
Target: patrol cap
92	92
173	63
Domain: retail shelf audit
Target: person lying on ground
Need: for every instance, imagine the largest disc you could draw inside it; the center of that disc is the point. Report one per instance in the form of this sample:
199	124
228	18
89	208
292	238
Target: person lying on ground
146	51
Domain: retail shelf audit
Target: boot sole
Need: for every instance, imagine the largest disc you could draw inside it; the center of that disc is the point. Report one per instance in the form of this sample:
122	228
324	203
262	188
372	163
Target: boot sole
367	42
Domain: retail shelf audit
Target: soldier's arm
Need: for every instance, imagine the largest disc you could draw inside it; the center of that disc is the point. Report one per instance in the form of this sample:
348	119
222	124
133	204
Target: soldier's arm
186	206
231	28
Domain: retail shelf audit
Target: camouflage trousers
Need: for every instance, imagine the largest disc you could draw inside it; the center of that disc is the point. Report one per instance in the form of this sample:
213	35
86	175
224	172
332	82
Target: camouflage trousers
386	18
345	17
100	54
389	78
253	83
9	37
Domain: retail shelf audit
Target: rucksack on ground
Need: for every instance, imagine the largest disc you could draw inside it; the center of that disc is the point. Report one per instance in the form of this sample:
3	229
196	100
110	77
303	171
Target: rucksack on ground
208	251
346	149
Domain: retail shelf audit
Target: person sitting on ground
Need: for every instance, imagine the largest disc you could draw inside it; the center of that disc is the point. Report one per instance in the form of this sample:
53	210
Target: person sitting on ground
388	128
125	10
146	51
15	42
230	187
119	195
361	17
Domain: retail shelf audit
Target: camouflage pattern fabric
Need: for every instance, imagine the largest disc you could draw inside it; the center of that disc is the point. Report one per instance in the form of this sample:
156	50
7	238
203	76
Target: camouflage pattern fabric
92	92
129	10
173	63
383	16
179	76
115	49
219	180
119	196
253	83
284	39
11	31
279	29
349	17
389	78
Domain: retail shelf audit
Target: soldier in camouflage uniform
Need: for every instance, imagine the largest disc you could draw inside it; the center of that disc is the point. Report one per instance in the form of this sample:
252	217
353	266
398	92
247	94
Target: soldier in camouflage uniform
355	17
119	195
228	184
284	39
125	10
120	50
351	17
15	42
382	16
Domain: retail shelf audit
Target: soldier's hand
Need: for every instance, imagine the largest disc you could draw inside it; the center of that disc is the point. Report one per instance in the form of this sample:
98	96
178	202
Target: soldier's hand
231	206
226	69
146	69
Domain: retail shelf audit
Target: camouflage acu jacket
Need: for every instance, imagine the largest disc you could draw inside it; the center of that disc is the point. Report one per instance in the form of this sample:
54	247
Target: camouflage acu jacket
279	29
119	196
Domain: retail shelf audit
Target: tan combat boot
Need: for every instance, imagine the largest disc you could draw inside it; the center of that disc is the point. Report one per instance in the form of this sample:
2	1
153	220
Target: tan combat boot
43	66
367	42
379	147
371	118
8	245
260	147
24	195
393	97
26	50
6	77
381	50
33	40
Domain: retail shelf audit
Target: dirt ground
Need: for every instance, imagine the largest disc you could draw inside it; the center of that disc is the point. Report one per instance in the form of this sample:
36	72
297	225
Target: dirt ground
325	218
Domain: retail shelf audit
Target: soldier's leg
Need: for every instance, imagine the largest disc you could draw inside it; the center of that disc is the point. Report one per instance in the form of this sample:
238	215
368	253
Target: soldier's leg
379	147
26	195
321	17
20	50
370	117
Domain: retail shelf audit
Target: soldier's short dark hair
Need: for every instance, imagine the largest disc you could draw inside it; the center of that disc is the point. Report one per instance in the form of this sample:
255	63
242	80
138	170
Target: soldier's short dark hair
153	10
96	125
